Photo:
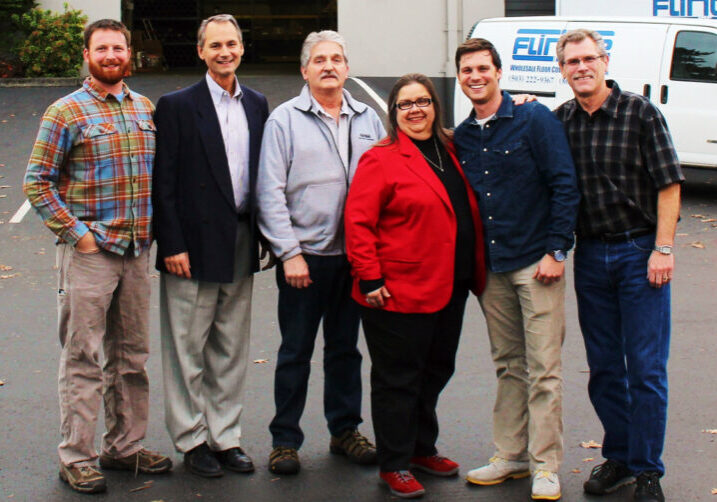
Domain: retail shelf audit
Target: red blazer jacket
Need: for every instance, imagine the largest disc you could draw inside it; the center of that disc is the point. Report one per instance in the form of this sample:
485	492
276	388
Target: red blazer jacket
400	226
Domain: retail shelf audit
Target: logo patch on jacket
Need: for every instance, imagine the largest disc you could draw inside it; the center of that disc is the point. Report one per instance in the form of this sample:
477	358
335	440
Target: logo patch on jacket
363	135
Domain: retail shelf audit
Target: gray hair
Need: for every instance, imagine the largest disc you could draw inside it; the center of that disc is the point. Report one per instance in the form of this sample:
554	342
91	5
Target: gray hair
219	18
316	37
577	36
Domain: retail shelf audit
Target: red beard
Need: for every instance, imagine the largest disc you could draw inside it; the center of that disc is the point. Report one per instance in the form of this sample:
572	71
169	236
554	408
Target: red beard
109	76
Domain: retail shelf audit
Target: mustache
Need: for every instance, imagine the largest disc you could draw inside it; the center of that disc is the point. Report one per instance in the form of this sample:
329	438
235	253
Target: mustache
330	73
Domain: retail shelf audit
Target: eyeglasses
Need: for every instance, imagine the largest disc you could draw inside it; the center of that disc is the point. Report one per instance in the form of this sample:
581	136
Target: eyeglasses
587	60
420	102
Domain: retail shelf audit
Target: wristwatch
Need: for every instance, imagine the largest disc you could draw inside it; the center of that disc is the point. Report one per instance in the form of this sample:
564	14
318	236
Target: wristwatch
663	249
558	255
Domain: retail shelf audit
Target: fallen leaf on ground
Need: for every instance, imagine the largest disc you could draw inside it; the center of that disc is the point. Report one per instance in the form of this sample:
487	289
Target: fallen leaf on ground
710	431
698	215
260	361
589	459
2	165
698	245
576	471
3	196
590	444
147	484
709	220
5	186
39	252
5	268
584	371
2	383
714	491
8	276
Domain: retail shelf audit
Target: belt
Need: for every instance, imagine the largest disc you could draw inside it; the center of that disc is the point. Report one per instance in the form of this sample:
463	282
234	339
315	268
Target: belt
623	236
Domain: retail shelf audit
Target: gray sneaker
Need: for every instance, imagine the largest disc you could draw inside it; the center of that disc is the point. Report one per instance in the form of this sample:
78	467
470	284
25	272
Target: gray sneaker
546	486
498	470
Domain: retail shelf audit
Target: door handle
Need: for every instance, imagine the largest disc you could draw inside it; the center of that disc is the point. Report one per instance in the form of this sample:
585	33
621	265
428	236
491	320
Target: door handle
663	94
646	90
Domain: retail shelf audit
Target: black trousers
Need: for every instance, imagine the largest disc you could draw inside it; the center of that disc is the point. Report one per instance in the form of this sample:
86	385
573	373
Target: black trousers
412	358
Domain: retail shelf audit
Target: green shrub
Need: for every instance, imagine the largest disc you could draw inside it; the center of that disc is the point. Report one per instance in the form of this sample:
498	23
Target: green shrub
53	47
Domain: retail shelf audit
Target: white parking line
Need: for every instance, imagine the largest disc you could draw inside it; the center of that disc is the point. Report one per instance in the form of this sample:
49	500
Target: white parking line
20	214
380	102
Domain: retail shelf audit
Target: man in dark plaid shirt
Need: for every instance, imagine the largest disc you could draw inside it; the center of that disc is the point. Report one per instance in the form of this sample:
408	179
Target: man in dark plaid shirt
89	178
629	177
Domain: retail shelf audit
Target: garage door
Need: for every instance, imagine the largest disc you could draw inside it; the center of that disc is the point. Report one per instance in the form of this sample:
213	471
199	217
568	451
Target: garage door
529	8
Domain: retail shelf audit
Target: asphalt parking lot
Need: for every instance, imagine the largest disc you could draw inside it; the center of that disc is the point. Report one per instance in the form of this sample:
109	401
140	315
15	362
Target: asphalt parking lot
29	352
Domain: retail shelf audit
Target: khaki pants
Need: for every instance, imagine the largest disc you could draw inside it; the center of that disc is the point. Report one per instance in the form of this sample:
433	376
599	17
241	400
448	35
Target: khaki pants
205	331
526	326
103	301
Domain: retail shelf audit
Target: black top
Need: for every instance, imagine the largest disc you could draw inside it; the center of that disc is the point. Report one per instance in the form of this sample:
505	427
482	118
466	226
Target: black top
457	193
623	156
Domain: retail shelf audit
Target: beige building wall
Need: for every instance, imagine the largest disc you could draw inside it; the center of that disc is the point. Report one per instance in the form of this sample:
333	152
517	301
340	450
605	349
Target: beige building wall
387	38
93	9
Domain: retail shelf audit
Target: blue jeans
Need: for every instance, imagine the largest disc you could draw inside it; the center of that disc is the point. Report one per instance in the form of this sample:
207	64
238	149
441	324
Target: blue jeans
300	313
626	328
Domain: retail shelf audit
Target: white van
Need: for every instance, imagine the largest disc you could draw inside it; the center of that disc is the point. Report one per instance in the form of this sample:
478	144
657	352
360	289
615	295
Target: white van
672	61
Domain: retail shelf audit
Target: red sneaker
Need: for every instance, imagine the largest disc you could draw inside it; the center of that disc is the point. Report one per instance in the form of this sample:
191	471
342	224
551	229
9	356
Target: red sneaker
402	484
436	465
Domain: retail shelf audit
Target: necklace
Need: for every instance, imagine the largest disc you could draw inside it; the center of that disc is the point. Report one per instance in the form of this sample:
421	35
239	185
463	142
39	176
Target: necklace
438	166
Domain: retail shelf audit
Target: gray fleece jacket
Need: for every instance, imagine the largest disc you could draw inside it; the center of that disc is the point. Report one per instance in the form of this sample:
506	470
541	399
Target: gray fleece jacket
302	182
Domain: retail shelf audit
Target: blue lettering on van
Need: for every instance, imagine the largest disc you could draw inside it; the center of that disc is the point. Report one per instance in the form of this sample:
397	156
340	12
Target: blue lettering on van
533	44
685	8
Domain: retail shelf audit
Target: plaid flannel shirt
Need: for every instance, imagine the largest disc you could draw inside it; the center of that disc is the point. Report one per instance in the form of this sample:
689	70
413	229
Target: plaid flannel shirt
91	169
623	156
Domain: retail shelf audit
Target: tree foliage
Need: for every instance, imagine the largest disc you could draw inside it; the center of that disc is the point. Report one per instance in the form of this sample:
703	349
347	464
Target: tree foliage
53	45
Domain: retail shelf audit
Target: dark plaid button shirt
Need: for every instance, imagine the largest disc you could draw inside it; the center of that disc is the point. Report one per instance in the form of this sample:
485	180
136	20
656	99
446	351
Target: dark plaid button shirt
623	156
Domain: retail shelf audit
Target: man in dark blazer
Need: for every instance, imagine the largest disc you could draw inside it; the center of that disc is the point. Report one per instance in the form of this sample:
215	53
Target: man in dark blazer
208	140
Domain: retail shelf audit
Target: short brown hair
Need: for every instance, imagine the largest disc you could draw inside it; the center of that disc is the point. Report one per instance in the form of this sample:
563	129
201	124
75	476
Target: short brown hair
217	18
577	36
105	24
477	45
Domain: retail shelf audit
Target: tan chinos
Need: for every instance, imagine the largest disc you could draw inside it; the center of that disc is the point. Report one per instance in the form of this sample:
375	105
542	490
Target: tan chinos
526	327
103	302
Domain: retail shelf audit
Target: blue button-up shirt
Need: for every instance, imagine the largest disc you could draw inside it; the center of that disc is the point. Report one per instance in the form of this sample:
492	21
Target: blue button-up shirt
521	168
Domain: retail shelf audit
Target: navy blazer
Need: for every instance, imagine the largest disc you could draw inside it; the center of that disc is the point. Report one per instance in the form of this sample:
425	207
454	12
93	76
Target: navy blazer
192	195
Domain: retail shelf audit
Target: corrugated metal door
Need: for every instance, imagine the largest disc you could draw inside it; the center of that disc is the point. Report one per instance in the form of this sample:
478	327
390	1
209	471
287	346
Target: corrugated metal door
529	8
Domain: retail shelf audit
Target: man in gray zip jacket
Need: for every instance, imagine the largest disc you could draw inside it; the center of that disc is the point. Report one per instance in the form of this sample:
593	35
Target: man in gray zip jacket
310	150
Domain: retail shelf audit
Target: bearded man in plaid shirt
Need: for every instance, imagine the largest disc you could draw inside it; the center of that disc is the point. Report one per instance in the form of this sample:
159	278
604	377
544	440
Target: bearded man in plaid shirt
89	178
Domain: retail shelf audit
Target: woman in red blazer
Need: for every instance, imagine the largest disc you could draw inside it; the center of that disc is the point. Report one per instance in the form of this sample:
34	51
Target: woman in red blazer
415	242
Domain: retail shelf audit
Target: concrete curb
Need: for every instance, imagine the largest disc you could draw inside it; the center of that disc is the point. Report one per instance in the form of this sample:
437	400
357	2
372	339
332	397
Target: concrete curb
41	82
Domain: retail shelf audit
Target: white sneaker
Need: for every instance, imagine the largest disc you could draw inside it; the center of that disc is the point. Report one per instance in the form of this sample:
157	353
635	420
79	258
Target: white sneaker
546	486
497	471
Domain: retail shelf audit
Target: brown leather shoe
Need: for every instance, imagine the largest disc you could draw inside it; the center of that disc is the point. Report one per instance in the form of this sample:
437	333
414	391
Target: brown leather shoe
146	461
84	479
355	446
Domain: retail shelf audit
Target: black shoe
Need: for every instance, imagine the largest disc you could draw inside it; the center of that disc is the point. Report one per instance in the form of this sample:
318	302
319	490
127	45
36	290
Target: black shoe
235	460
284	460
608	477
648	488
201	461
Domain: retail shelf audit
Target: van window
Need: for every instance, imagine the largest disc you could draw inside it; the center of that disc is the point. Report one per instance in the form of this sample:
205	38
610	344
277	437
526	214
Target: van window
695	57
